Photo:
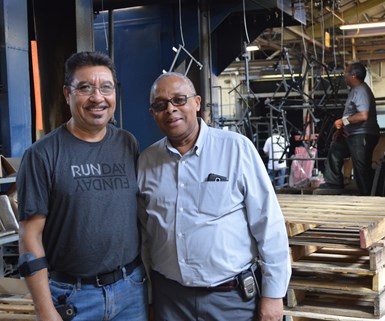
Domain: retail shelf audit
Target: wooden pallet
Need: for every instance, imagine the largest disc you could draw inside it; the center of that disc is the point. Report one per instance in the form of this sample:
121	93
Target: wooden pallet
16	308
357	218
342	263
308	316
347	282
338	257
339	297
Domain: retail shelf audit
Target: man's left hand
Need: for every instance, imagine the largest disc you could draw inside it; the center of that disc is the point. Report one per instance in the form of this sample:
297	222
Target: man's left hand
338	124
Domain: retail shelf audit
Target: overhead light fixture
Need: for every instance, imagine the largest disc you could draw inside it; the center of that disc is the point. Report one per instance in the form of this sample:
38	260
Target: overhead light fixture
252	48
366	25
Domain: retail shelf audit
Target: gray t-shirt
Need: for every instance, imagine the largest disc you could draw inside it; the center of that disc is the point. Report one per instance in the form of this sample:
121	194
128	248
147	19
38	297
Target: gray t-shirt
88	193
361	99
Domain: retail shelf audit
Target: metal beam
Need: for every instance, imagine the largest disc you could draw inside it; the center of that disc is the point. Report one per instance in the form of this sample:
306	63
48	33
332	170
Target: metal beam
300	34
349	14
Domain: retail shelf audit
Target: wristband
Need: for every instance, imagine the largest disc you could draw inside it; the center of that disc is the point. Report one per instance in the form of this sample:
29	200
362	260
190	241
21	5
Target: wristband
29	264
345	120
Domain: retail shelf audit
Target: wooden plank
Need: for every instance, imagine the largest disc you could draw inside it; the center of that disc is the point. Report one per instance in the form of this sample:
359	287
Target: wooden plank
298	252
343	286
329	235
364	213
360	306
377	257
297	228
17	308
294	315
16	300
342	199
372	233
334	267
16	317
319	243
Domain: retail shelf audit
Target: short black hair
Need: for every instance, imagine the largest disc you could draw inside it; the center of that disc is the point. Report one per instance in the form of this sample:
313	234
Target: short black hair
87	58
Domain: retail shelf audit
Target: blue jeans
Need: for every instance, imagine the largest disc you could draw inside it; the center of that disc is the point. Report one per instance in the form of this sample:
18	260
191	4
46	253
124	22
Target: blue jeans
277	176
124	300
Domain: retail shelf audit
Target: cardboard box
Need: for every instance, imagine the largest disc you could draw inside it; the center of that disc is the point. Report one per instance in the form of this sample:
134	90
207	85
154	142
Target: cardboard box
8	221
9	166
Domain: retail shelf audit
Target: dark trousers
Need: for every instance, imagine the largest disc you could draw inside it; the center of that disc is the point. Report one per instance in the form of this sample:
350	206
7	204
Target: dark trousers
174	302
360	148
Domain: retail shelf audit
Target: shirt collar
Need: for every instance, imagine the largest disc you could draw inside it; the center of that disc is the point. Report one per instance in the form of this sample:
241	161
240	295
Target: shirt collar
203	129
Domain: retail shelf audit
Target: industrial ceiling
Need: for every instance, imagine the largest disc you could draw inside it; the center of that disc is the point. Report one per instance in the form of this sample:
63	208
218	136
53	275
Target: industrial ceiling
317	34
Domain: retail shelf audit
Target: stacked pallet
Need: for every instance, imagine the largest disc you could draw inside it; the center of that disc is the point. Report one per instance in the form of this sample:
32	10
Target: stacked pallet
16	308
338	255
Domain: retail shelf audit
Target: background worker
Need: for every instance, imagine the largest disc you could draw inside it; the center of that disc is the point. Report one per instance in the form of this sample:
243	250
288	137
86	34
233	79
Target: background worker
275	148
357	134
79	238
209	210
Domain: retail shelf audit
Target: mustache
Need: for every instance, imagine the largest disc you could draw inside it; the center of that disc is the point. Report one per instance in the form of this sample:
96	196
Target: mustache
97	107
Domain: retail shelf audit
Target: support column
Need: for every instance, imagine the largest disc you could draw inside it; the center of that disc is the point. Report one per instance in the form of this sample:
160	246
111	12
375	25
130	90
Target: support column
205	59
15	98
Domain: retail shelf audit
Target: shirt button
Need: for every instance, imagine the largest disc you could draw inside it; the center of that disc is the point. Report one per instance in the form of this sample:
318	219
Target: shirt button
181	209
182	185
188	283
180	234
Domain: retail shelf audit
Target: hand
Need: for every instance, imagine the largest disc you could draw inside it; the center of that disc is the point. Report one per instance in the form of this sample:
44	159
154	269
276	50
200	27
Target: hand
270	309
51	315
338	124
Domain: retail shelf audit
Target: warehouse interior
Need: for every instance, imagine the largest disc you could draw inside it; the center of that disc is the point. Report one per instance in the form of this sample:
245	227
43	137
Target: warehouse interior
292	81
301	48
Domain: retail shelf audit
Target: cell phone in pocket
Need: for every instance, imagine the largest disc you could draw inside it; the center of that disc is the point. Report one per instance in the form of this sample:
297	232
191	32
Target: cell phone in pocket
216	178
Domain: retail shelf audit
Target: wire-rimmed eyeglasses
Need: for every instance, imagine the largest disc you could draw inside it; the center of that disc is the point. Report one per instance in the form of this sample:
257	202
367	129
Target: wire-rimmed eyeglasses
179	100
88	89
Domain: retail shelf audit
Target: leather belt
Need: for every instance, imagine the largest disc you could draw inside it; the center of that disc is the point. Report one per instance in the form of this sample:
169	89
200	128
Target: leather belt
98	280
234	284
223	287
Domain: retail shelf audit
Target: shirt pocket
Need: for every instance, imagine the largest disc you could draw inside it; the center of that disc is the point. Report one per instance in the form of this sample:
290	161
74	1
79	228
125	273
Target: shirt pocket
214	198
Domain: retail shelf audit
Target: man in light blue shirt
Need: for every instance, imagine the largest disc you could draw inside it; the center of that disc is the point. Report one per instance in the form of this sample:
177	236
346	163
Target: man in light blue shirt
209	211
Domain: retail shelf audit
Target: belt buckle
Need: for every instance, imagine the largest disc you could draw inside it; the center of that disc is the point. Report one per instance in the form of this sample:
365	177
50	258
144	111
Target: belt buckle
98	284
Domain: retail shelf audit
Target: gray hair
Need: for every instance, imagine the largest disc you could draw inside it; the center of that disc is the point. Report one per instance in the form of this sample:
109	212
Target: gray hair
359	70
171	74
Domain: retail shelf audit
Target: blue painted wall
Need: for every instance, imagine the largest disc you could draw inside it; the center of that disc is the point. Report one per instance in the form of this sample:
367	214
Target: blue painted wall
143	41
139	45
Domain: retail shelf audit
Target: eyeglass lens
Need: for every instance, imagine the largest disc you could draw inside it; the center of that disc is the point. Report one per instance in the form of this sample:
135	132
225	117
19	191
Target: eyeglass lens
175	101
88	90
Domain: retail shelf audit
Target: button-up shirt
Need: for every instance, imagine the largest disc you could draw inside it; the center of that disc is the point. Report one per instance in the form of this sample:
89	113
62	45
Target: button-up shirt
202	232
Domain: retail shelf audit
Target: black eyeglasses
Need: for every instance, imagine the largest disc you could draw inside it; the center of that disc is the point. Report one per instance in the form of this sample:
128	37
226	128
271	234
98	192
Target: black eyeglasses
88	89
179	100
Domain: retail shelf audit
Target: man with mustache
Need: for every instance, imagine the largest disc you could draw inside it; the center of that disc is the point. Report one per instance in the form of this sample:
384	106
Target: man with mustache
79	240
